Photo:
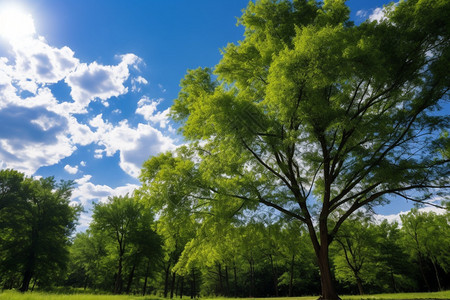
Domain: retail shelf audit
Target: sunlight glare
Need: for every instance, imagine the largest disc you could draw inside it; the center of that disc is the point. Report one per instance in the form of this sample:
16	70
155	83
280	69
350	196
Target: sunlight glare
15	23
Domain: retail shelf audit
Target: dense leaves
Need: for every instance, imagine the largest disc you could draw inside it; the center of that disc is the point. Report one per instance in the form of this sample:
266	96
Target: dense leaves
314	117
36	222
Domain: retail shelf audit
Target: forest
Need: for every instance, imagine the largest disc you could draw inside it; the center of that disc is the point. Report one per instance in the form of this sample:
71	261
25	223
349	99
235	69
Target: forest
302	129
127	250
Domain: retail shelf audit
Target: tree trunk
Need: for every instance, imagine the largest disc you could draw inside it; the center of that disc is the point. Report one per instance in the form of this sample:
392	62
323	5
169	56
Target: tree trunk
235	281
172	286
360	286
118	281
393	281
193	285
219	269
326	280
86	278
437	275
147	270
28	273
177	285
291	276
252	278
274	276
130	277
181	287
34	283
26	280
166	281
227	281
423	272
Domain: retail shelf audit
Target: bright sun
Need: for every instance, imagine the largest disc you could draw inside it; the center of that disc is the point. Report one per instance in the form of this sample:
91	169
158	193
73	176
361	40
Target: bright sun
15	23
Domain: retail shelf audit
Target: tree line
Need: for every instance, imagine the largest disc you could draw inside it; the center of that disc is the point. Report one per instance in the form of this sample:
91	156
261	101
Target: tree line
126	249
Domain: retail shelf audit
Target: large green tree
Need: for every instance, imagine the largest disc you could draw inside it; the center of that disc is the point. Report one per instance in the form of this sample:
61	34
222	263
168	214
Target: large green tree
36	223
314	117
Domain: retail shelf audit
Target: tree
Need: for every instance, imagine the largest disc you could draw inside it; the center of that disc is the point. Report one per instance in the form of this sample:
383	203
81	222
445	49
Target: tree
356	259
392	260
37	221
89	261
129	228
314	117
117	219
419	227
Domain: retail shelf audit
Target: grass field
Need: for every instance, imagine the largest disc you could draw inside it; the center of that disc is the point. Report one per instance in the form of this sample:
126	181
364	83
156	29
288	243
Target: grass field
12	295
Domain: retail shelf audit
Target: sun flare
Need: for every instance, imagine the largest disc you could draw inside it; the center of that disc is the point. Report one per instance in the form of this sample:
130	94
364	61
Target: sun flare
15	23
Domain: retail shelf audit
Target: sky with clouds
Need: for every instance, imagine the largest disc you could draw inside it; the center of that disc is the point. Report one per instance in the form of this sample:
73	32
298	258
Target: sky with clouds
85	86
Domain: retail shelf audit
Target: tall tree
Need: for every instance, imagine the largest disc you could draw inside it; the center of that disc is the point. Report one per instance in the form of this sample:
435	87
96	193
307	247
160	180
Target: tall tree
315	117
37	220
117	218
128	226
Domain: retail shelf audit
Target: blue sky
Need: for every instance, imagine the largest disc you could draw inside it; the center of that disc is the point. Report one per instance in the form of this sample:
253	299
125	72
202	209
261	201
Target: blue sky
85	86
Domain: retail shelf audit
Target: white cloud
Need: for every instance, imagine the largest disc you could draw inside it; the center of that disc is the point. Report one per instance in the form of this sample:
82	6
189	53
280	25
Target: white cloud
94	81
147	108
71	170
136	81
361	13
86	191
135	144
37	129
38	63
378	14
32	137
84	220
396	217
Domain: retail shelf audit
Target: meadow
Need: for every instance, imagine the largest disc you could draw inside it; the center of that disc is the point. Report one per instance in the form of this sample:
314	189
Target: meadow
13	295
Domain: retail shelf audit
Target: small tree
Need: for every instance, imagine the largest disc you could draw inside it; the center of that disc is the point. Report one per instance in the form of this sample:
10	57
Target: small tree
355	262
428	237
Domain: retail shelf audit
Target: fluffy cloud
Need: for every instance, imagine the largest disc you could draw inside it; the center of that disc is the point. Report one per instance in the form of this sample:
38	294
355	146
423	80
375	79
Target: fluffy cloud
136	82
38	63
135	144
86	191
32	137
94	81
397	217
147	108
40	129
71	170
378	14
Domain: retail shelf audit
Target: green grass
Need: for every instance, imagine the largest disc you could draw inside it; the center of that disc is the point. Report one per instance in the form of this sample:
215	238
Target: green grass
13	295
435	295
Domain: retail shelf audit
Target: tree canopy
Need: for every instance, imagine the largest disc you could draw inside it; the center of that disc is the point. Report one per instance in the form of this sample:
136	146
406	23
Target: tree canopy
36	223
313	116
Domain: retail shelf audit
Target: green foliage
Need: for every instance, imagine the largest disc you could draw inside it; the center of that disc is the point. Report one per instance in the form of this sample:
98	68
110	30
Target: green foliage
36	222
123	230
356	260
313	117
